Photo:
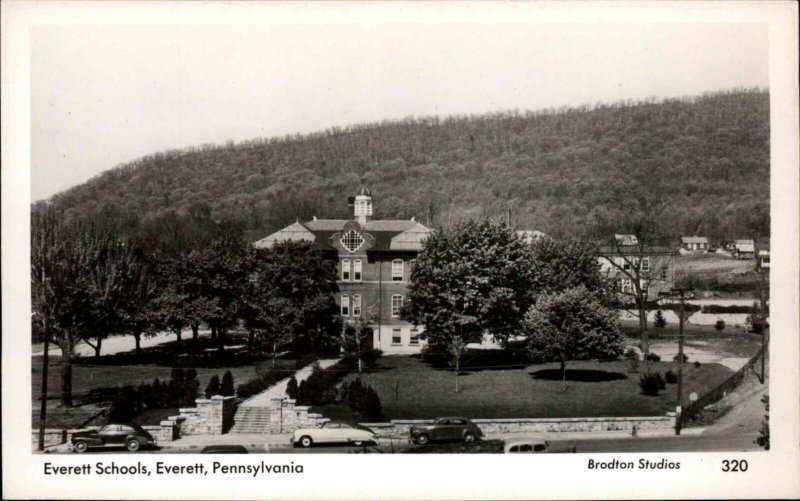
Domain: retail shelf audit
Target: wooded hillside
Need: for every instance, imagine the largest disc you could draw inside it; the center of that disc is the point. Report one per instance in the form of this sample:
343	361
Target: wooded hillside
570	172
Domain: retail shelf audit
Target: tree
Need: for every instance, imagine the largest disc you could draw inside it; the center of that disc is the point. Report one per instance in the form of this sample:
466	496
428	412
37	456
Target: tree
227	385
213	387
468	279
572	325
220	273
763	432
659	320
357	333
291	297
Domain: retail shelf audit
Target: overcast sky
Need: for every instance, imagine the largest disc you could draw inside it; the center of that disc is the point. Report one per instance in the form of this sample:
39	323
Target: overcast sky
107	95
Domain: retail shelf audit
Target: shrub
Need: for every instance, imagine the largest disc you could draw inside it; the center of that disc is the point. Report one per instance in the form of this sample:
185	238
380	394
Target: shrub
370	357
370	406
631	354
291	388
677	358
125	406
650	383
659	320
213	386
633	365
227	384
662	383
671	377
697	364
652	357
720	324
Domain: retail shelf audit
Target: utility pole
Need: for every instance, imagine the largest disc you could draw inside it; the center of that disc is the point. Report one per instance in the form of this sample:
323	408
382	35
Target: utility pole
679	409
45	362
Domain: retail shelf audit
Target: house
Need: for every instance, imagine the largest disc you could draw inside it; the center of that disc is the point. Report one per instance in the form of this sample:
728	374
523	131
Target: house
694	244
529	236
374	259
652	266
744	249
763	258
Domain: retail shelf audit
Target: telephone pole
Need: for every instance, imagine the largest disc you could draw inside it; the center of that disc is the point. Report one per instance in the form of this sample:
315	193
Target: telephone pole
45	362
679	409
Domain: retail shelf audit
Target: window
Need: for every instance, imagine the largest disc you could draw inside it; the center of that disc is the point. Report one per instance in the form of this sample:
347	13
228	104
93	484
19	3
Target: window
643	284
396	339
397	270
345	305
626	285
663	273
414	339
525	448
346	269
356	305
626	263
397	303
357	270
645	264
352	240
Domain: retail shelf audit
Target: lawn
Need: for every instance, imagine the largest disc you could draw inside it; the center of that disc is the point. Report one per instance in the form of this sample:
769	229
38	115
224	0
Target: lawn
410	388
113	371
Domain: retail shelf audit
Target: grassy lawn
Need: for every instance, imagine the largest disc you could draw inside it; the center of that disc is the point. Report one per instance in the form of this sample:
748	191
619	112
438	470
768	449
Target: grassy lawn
113	371
730	341
410	388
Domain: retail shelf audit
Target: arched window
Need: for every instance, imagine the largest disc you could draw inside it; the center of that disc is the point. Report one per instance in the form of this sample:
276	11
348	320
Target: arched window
357	270
356	305
345	269
345	305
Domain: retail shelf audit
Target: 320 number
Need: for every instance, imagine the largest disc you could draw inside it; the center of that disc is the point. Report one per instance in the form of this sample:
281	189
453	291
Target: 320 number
734	465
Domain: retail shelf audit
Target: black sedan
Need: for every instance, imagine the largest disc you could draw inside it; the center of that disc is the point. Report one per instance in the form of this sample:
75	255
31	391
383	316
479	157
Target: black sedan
131	436
449	428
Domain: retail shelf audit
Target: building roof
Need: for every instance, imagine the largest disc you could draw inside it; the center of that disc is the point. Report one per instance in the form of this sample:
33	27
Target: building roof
623	239
746	247
694	240
619	250
744	241
387	234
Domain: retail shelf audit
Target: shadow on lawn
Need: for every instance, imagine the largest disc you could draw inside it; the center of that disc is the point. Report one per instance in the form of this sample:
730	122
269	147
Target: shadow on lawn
580	375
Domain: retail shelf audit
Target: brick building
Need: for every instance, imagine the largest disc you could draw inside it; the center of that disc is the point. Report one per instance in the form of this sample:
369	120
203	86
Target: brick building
374	259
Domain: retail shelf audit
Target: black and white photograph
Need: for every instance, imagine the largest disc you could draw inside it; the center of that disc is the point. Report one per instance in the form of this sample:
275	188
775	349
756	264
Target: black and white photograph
504	249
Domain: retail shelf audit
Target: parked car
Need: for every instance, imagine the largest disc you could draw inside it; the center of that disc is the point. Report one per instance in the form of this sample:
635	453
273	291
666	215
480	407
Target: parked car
525	446
448	428
224	449
532	446
334	432
131	436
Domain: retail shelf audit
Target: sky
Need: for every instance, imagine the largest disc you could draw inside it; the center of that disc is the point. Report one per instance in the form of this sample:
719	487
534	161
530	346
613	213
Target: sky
106	95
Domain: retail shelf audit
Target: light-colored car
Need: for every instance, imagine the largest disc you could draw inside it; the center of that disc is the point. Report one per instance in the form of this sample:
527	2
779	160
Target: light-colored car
334	432
525	446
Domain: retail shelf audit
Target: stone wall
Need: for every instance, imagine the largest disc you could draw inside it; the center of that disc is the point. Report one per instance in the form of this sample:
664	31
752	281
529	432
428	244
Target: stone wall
400	428
285	416
212	416
52	436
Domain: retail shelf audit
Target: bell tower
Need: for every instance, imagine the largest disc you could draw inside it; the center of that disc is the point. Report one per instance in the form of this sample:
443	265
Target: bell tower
363	205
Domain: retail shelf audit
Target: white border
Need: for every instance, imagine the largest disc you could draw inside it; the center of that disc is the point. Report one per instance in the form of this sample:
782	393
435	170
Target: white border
772	474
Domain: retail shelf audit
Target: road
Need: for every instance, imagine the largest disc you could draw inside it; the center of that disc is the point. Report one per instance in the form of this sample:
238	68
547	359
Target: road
689	443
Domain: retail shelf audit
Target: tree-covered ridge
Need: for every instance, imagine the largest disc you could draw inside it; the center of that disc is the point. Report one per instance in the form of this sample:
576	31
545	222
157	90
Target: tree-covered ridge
569	172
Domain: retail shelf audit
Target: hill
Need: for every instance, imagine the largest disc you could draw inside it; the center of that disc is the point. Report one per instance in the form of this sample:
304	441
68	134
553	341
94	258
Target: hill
572	172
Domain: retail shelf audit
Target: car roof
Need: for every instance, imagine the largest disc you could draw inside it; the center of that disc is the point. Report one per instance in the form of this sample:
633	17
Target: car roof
521	441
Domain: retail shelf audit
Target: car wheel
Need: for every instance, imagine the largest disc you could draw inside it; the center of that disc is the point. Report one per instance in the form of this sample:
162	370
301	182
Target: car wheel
469	437
422	439
80	446
305	441
133	445
357	443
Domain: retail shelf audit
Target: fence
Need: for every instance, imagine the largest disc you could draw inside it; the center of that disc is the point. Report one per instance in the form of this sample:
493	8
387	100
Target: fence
723	388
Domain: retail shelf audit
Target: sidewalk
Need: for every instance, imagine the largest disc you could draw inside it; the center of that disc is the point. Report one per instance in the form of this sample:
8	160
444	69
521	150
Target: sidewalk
278	390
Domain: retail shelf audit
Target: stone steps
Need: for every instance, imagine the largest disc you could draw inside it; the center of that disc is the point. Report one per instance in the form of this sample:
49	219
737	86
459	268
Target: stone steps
251	420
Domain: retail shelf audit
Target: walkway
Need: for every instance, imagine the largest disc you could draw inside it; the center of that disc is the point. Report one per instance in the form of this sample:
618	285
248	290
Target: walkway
278	390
